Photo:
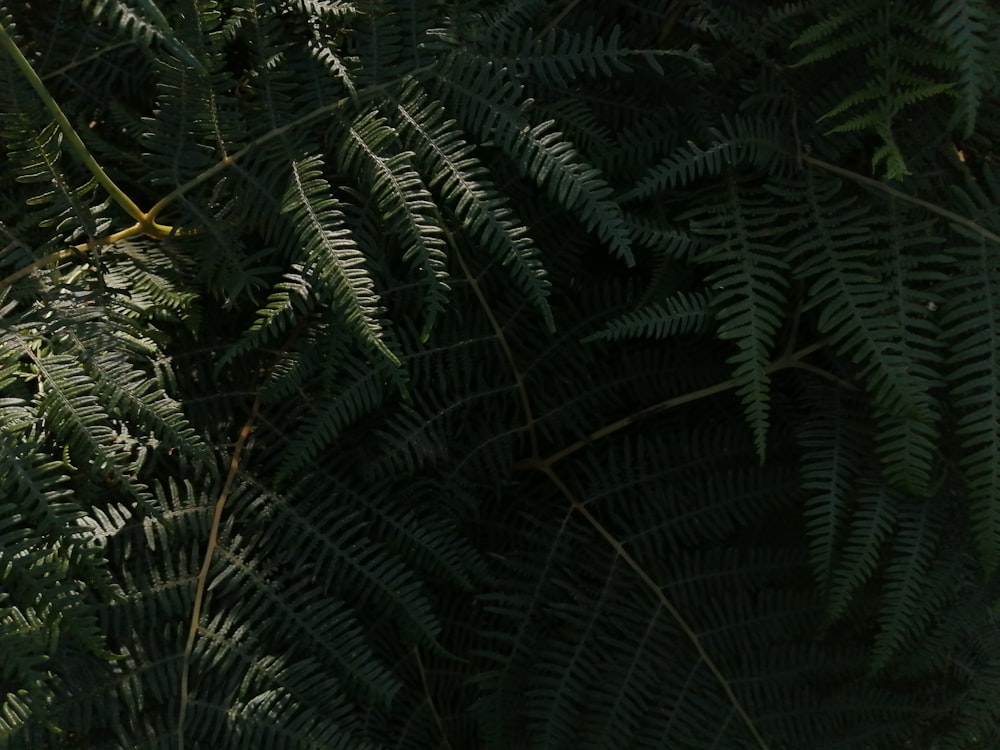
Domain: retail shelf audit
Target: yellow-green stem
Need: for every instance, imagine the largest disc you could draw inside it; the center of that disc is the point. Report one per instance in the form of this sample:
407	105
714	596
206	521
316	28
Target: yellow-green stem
73	139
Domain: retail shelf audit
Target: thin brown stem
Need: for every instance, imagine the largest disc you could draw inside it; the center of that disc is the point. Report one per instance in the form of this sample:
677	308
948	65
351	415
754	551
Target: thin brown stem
270	135
522	387
881	186
430	700
20	273
789	360
555	21
58	255
84	60
206	564
661	596
820	372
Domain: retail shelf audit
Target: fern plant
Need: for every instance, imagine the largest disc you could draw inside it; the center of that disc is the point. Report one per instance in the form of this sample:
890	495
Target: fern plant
499	374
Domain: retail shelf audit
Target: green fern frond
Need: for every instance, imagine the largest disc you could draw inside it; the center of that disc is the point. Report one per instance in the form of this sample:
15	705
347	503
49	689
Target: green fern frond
357	392
968	28
371	152
144	24
839	22
907	449
331	254
740	142
47	563
152	280
560	56
508	18
69	408
976	719
548	158
667	240
859	323
324	24
191	133
683	167
411	409
285	305
131	395
969	323
37	162
750	291
539	152
637	145
677	315
834	445
333	539
872	519
582	123
903	66
905	589
464	184
316	622
27	643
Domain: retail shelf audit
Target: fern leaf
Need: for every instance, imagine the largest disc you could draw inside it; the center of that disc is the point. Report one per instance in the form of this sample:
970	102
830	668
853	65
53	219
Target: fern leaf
855	310
554	711
970	321
144	24
37	161
682	167
357	391
287	303
331	254
336	554
901	59
750	293
130	395
559	56
50	572
913	550
907	446
539	152
872	520
464	184
740	141
677	315
969	28
371	153
68	406
834	453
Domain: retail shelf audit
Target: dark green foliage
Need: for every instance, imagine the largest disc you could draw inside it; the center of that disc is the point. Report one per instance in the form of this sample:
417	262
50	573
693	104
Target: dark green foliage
481	374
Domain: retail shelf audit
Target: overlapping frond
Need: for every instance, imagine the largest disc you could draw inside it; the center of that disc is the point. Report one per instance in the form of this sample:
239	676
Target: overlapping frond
973	370
403	399
750	290
330	252
370	151
464	184
560	56
143	22
902	68
676	315
539	151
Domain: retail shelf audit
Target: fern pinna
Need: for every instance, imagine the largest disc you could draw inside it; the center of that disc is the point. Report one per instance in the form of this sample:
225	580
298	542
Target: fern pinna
499	374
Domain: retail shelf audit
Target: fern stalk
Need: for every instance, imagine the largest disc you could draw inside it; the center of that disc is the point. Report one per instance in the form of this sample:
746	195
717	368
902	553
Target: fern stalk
793	359
664	601
964	221
76	144
202	582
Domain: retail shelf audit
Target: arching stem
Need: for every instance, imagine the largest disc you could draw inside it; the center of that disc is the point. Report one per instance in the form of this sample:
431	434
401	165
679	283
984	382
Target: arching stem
72	138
